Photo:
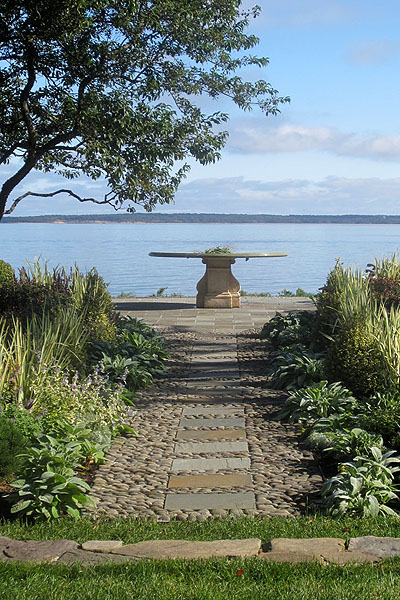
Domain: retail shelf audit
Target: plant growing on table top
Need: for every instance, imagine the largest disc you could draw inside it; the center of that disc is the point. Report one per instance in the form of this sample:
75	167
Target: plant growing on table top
218	250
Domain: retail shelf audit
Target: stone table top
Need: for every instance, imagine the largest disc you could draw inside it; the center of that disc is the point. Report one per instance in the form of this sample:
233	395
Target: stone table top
245	255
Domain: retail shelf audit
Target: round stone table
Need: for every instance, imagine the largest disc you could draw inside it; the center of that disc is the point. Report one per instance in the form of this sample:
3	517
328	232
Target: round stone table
218	288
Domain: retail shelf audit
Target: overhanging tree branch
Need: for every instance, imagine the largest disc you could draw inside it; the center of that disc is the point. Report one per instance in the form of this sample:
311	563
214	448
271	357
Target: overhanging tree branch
108	198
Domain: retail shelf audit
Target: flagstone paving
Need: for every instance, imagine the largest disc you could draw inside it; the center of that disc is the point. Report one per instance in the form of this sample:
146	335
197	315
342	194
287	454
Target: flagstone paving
208	442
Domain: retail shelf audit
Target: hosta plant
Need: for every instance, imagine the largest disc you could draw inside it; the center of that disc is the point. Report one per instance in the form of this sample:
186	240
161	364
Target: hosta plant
363	487
293	328
349	443
309	404
293	370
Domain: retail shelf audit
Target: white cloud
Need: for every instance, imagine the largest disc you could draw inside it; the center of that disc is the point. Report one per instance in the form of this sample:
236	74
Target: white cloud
254	136
332	195
374	52
305	13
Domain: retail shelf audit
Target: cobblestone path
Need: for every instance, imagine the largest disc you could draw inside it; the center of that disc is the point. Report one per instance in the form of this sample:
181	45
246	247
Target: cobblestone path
208	442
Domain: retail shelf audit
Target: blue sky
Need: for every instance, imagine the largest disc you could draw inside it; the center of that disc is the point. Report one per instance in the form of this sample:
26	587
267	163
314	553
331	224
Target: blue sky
335	149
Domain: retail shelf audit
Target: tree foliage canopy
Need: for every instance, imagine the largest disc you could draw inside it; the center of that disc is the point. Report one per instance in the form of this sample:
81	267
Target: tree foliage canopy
108	89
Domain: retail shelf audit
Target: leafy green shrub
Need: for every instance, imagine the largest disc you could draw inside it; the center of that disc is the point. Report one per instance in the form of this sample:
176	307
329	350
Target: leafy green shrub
349	443
363	487
90	295
31	426
12	444
136	357
335	422
382	416
315	402
48	486
356	359
317	441
7	284
293	328
75	400
88	450
296	369
7	277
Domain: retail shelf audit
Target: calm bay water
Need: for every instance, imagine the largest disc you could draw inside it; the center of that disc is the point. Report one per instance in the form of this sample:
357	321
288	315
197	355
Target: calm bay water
120	252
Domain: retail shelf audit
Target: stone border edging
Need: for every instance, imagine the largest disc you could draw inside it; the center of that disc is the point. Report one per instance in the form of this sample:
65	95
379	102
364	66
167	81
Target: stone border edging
361	550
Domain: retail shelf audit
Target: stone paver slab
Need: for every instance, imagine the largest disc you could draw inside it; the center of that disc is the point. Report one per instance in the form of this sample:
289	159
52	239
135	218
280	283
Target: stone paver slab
49	550
378	546
210	481
163	549
211	434
288	557
215	383
210	501
212	410
313	546
210	447
212	373
101	545
206	464
229	422
87	559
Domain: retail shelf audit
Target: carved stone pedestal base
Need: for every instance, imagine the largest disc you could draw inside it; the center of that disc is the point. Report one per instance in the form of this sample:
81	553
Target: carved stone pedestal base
218	288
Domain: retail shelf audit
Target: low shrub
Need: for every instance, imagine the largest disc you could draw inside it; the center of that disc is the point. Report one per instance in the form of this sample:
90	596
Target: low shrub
136	357
356	359
321	400
297	368
348	443
31	426
12	444
382	415
92	399
363	487
47	486
293	328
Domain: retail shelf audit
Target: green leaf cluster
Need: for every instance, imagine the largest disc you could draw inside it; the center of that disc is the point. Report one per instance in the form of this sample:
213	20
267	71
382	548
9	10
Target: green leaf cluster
363	487
112	90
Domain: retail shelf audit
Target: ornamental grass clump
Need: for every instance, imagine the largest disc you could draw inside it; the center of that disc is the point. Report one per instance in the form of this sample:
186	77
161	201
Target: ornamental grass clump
26	349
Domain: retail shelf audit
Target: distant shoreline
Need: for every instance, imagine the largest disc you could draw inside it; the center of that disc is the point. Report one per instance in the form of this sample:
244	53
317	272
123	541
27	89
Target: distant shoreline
204	218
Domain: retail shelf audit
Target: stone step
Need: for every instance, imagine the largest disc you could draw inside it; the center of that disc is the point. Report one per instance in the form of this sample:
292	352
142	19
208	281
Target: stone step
214	374
211	434
209	501
217	422
217	384
210	481
208	464
212	410
210	447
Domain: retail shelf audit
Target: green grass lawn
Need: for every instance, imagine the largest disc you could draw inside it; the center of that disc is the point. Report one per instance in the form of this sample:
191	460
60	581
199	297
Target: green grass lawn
201	580
137	530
